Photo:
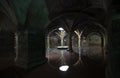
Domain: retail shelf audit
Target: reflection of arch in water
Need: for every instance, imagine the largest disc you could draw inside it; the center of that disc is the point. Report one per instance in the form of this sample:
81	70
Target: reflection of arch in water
96	29
95	44
55	38
65	22
87	28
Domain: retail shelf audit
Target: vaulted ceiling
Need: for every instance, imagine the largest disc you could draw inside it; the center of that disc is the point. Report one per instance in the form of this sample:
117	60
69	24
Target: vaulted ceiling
34	13
24	14
62	6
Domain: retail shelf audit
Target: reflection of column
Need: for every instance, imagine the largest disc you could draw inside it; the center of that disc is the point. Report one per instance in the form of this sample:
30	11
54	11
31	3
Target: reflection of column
62	57
79	46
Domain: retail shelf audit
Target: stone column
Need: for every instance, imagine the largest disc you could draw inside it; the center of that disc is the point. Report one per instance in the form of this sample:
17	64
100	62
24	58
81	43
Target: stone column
36	48
30	49
21	48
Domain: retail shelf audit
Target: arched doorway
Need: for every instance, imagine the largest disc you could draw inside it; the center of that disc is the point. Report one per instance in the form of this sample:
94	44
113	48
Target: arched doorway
58	37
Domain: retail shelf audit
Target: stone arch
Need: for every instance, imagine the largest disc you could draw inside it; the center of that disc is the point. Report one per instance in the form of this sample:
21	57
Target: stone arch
66	21
95	27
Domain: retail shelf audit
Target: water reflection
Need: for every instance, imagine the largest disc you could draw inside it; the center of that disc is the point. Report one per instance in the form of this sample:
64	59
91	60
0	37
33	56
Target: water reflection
58	57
